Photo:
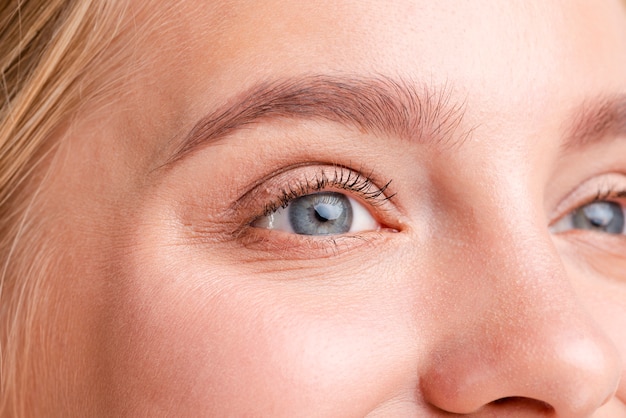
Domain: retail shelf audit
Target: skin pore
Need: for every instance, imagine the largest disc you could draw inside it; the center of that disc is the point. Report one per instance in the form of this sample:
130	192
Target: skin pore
468	133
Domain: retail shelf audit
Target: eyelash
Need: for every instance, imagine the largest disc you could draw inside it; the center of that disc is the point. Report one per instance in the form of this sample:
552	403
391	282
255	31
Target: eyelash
342	179
611	193
608	192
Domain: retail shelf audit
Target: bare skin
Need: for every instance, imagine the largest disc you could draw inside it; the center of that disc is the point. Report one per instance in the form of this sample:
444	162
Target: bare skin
470	286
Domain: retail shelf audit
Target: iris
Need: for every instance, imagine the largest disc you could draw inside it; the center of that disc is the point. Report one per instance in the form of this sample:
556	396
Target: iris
325	213
601	216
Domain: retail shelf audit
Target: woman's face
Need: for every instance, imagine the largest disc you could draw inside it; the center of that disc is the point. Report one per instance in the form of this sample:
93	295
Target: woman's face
344	209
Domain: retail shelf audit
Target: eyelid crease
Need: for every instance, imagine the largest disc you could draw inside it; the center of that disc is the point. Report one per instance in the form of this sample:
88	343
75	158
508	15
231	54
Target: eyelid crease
319	168
600	187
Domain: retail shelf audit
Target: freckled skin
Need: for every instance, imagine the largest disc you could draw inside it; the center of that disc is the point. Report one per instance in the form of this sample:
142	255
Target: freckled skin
464	302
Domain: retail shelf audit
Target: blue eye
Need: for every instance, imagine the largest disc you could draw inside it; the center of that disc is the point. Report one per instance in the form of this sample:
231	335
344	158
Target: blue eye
600	216
323	213
320	214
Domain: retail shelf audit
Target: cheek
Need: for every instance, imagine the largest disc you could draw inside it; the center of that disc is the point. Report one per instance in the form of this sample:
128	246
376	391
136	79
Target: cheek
609	310
605	300
207	338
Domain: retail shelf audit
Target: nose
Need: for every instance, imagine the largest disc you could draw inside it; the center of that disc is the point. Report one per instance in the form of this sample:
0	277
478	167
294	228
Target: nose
517	339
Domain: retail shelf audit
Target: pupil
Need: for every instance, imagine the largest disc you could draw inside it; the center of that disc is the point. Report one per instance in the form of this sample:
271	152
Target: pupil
601	216
325	212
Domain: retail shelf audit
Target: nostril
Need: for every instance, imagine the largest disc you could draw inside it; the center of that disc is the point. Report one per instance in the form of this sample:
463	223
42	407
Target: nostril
525	404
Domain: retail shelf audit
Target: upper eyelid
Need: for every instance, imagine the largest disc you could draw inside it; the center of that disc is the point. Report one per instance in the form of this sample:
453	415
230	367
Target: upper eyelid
353	181
316	169
302	179
598	187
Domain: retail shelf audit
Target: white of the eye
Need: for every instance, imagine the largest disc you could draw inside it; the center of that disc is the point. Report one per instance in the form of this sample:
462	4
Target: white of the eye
362	220
566	223
277	220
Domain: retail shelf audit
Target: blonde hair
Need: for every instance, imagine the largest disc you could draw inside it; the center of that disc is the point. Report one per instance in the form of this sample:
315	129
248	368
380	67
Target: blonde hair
46	49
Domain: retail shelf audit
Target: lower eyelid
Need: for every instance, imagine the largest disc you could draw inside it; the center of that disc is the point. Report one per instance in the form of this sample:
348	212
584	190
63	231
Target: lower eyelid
590	246
268	244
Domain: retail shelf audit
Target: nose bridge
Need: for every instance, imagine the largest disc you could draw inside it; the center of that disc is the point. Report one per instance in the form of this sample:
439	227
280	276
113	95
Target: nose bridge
519	268
518	330
507	257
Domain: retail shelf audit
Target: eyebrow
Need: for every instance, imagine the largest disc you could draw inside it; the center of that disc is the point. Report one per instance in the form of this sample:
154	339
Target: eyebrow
596	120
372	104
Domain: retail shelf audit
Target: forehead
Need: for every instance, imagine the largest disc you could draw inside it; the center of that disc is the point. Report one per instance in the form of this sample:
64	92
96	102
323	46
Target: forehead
490	48
402	38
507	62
